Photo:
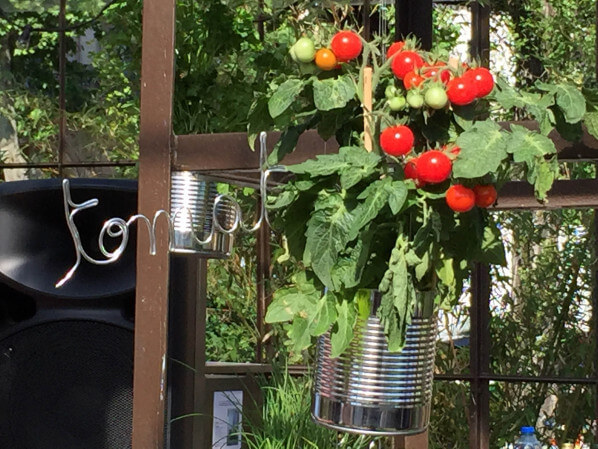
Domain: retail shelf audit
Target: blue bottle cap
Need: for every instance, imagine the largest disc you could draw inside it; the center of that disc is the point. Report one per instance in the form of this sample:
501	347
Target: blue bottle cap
527	429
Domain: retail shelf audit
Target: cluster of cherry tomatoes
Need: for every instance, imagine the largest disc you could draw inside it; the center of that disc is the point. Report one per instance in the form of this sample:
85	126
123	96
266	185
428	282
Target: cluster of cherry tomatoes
436	85
433	82
433	167
344	46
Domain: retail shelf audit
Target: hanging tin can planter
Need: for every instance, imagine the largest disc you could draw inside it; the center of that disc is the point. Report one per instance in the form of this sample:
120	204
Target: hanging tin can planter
203	221
369	389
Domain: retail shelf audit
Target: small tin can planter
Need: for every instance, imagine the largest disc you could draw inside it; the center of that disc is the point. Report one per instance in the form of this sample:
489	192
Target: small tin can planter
202	219
369	390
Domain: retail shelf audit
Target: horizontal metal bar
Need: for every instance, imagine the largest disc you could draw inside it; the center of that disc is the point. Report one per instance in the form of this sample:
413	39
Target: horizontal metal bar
566	194
514	378
197	151
22	165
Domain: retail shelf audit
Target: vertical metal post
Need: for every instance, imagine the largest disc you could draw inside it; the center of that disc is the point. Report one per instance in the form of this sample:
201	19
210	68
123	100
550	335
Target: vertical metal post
479	341
414	17
202	398
595	320
155	140
61	84
365	20
480	33
263	276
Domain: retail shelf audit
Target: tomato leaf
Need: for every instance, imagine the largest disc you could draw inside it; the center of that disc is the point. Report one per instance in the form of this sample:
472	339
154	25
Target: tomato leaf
375	197
284	96
591	122
322	315
343	334
397	196
528	146
333	93
290	301
568	98
483	147
326	236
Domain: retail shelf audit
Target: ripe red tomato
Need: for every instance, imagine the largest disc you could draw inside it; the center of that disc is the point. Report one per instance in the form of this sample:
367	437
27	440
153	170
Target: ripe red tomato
433	166
394	48
460	198
485	195
461	91
481	79
411	172
412	80
397	140
404	62
346	45
437	72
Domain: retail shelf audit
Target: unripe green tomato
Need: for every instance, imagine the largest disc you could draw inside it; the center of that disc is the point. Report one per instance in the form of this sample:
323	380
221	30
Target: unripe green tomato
396	103
293	54
436	97
390	91
415	99
305	49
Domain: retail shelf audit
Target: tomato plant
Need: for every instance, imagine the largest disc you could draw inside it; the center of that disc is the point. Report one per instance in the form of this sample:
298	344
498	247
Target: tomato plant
395	48
437	72
461	91
397	140
412	79
410	172
436	97
415	99
326	59
433	166
485	195
304	50
481	79
346	45
460	198
396	103
404	62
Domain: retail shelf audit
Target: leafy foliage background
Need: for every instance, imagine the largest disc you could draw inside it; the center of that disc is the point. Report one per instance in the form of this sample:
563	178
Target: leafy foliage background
539	309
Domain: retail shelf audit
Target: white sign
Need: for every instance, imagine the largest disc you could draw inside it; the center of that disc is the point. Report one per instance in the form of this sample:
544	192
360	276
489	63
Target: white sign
228	409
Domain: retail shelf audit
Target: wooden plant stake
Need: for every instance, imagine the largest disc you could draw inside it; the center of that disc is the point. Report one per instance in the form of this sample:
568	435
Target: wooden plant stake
367	109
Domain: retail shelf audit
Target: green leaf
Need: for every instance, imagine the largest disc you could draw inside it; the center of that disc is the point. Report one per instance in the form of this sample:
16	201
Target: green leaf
491	250
284	96
397	196
258	120
398	297
545	175
375	197
286	144
299	335
349	270
528	146
288	302
360	165
327	232
333	93
323	315
322	165
342	336
591	122
568	98
483	147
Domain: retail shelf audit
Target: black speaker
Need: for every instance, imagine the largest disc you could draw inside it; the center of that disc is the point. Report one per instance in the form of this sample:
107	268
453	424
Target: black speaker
66	355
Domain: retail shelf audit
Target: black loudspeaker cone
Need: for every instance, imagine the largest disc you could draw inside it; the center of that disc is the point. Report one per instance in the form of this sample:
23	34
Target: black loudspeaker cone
66	385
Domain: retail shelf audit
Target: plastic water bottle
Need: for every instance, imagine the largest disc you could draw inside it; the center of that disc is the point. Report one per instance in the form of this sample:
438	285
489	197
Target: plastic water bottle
527	439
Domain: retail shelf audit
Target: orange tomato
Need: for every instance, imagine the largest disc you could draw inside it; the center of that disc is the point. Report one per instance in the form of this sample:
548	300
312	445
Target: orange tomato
325	59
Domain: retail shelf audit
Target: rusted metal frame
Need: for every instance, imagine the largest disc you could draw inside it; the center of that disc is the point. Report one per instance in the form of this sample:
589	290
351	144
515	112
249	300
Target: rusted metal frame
595	315
61	84
365	20
73	165
234	152
514	378
263	291
480	33
184	291
414	17
151	320
479	408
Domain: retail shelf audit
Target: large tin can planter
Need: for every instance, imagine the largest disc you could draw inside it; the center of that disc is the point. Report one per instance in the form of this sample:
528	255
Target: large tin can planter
370	390
199	220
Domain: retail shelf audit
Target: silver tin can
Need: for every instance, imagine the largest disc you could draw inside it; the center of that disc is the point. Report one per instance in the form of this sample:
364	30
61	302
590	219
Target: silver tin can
370	390
192	198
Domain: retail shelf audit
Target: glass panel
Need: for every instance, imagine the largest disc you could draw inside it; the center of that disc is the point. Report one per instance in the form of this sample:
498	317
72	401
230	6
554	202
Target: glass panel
560	412
449	424
541	300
